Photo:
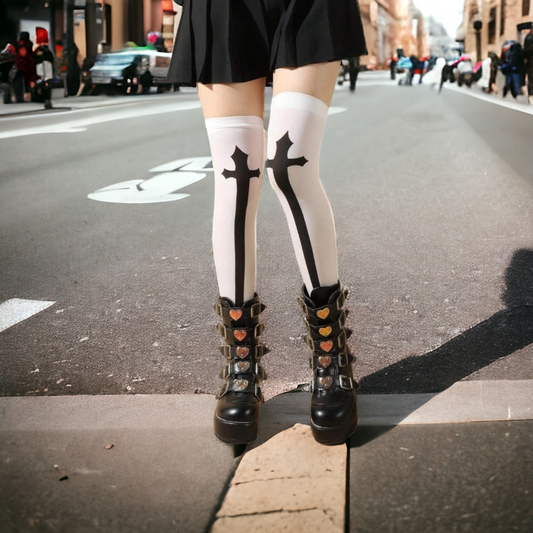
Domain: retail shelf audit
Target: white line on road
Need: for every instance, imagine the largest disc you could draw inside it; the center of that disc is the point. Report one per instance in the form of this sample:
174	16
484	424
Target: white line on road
492	99
335	110
16	310
73	126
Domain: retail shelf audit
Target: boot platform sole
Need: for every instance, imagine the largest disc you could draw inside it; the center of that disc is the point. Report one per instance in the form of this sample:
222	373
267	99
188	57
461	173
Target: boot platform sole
331	436
232	432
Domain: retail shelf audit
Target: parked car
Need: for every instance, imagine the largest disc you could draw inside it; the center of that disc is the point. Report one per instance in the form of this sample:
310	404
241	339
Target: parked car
132	70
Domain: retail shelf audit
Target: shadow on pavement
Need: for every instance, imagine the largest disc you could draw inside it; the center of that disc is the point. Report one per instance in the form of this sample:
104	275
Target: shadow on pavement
500	335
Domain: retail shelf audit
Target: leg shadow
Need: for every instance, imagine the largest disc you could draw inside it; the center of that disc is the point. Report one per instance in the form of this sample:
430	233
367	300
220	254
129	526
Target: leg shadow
500	335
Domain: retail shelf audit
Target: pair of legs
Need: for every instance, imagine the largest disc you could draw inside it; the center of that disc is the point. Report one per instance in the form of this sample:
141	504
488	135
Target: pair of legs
234	115
234	122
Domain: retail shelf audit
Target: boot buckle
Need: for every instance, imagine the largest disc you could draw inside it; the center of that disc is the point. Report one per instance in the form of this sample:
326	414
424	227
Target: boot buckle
343	359
223	331
223	391
258	330
345	382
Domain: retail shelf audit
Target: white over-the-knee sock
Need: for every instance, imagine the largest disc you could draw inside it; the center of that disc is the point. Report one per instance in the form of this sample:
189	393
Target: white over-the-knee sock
237	150
294	136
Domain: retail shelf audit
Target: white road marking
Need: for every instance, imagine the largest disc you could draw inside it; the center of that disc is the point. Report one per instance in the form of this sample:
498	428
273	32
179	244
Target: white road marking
528	109
161	188
191	164
81	124
16	310
335	110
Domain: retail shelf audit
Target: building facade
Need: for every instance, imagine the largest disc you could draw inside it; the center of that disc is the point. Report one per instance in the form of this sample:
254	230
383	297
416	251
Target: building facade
389	25
501	21
118	22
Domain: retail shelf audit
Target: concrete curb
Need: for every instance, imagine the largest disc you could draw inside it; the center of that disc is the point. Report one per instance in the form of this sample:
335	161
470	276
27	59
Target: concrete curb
465	401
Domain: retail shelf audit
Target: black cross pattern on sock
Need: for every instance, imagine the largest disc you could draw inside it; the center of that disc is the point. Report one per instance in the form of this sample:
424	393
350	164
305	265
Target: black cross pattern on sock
280	167
242	175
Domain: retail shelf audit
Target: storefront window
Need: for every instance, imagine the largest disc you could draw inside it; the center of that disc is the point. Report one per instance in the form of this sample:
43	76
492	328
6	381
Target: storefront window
492	26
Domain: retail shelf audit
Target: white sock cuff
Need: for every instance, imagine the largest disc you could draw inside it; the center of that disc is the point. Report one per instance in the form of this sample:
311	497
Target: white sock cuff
302	101
249	121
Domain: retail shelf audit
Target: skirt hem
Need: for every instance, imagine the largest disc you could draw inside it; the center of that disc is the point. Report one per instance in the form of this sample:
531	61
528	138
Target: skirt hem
256	76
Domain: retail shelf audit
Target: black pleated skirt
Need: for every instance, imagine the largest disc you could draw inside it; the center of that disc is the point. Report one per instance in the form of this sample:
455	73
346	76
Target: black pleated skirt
231	41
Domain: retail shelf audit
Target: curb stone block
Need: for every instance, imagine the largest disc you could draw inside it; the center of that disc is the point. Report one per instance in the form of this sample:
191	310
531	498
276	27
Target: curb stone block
288	482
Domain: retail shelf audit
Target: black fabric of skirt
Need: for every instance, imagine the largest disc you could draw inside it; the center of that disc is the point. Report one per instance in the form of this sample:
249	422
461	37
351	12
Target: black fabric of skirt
230	41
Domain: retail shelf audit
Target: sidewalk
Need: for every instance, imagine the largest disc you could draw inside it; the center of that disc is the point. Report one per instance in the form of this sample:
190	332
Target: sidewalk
518	104
150	463
83	102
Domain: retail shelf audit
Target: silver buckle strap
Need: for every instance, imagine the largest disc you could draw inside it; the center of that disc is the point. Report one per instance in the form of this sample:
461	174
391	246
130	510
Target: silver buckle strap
338	304
230	351
338	342
228	333
345	382
233	368
235	386
246	312
343	359
337	325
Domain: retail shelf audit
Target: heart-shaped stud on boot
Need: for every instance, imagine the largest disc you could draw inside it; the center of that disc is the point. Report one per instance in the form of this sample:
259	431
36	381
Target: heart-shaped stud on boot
325	382
235	314
324	360
322	314
240	384
240	334
325	332
326	345
243	366
242	351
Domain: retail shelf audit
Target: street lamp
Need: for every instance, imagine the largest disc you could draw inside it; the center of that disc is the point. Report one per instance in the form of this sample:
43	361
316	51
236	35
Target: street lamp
477	26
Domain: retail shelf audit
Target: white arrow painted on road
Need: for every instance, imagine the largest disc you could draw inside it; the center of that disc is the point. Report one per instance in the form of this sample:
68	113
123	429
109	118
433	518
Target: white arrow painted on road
161	188
16	310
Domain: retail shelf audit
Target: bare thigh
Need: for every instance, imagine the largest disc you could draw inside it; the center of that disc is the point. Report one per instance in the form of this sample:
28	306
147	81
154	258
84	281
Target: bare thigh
233	99
316	80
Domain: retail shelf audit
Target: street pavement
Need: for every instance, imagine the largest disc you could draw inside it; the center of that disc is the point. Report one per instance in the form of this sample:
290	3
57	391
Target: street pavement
105	214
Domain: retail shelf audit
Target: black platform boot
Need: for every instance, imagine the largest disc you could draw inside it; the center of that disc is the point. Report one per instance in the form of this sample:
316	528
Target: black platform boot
237	412
333	404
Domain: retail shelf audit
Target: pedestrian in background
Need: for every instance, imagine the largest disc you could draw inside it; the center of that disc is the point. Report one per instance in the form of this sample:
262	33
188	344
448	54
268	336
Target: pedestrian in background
512	66
528	60
44	67
25	75
354	68
7	70
516	62
415	65
392	65
297	45
493	73
405	64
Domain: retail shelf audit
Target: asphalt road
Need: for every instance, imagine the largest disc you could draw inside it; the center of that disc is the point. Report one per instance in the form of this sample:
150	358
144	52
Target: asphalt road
433	202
